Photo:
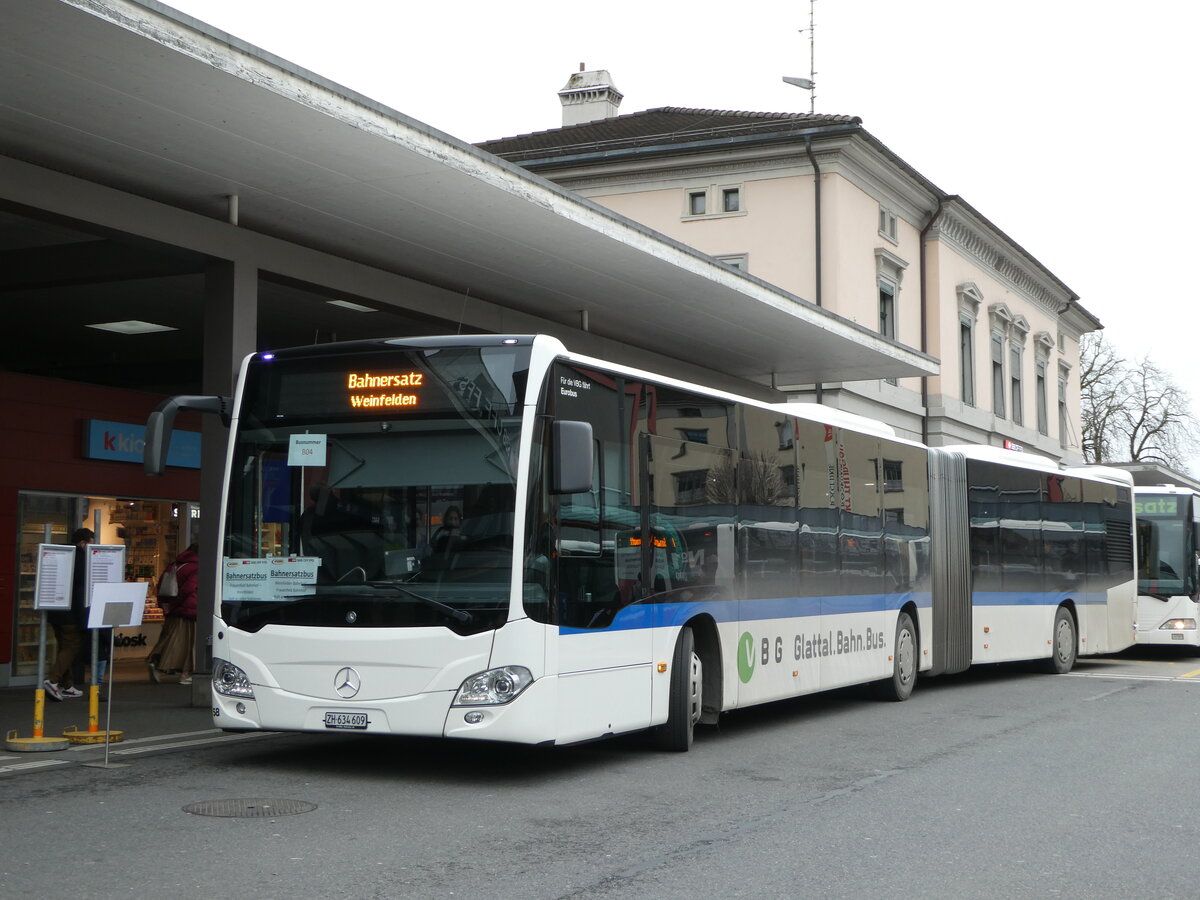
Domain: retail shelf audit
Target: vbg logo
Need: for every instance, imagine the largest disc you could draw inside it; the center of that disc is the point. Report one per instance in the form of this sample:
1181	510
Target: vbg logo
745	657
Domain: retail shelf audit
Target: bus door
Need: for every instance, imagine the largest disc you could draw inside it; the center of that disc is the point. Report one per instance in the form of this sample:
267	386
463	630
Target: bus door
603	645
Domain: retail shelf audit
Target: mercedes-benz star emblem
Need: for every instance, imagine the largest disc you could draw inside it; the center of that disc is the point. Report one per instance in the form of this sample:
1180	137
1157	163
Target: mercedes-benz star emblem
351	617
346	683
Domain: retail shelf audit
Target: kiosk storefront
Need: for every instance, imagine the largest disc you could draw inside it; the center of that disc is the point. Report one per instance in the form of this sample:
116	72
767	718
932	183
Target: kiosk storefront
153	533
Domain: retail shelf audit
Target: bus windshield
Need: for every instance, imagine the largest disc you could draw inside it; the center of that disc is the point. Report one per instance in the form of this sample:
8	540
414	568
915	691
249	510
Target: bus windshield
375	489
1165	548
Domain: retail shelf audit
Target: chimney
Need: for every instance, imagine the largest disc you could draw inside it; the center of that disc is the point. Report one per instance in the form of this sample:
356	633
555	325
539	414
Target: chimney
588	96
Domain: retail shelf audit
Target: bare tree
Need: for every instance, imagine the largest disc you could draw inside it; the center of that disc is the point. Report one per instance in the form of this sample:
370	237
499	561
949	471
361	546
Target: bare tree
1102	389
1155	422
1133	413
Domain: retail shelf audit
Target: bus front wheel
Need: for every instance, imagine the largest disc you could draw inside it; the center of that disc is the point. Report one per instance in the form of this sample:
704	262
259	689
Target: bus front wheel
1064	644
686	697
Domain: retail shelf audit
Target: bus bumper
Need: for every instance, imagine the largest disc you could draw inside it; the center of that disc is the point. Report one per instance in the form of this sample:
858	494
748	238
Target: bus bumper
527	719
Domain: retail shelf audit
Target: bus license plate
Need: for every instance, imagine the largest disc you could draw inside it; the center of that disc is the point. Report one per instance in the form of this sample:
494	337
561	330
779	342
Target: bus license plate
345	720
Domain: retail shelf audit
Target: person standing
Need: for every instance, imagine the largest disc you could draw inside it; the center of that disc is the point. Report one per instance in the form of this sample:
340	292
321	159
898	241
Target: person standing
70	625
176	646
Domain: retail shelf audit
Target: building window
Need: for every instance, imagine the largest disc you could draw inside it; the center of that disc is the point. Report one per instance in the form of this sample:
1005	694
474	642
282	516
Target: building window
787	475
737	260
713	201
893	475
1014	374
690	486
889	272
998	375
888	225
1043	347
1062	412
969	301
1064	424
966	356
887	310
786	434
1039	389
694	435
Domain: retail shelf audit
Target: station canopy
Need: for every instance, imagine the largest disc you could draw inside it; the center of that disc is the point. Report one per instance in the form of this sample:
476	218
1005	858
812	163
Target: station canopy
139	98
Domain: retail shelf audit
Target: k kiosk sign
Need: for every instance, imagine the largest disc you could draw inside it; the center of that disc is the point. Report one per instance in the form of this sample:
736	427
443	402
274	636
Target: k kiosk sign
123	442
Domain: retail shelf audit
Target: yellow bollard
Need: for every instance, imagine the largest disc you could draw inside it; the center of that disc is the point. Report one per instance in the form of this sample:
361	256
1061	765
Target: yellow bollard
93	735
93	708
38	743
39	712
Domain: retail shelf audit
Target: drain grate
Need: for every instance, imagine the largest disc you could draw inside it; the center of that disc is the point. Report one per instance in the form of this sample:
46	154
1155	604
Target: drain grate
254	808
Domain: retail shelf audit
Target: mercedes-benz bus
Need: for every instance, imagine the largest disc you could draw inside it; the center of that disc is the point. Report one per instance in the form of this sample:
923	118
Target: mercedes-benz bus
493	538
1168	548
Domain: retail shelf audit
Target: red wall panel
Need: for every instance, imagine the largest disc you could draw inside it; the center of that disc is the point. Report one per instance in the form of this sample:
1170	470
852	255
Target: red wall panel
42	450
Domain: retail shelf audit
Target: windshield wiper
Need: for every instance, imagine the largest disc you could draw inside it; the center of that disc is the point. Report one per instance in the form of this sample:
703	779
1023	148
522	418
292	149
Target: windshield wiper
370	589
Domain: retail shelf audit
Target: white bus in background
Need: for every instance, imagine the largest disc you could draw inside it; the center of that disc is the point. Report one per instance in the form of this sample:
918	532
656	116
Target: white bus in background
635	553
1168	547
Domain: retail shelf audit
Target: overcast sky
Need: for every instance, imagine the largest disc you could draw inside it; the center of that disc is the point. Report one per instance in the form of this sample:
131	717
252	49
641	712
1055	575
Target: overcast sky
1070	124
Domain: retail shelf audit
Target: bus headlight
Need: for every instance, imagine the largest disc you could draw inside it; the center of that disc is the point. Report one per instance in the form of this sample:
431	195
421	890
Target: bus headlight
1178	625
231	681
493	687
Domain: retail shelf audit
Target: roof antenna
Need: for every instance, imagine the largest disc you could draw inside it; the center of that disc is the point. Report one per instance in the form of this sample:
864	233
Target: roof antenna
810	83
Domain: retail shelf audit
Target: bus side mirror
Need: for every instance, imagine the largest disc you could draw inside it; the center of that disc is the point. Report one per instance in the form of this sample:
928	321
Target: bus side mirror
161	422
571	457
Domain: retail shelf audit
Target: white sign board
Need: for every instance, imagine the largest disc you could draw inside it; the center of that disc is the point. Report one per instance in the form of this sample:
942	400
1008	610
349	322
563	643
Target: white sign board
55	576
307	449
105	565
117	605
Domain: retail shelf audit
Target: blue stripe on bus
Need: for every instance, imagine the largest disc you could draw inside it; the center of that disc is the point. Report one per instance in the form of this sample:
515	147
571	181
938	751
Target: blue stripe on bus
1050	598
659	615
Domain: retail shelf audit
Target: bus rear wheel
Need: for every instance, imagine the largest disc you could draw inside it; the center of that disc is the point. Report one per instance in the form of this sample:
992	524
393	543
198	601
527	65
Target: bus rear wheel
1064	643
686	698
905	655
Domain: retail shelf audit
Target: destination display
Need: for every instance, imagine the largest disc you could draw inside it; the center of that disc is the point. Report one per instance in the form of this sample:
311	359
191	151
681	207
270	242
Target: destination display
1155	506
388	391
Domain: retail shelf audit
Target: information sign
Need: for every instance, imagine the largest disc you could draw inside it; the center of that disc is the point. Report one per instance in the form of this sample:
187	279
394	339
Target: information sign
106	565
55	576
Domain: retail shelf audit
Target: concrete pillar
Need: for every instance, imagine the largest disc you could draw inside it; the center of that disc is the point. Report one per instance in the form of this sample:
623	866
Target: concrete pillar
230	332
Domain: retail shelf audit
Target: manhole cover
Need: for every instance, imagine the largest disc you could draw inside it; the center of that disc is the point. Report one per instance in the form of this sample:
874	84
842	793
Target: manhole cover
249	809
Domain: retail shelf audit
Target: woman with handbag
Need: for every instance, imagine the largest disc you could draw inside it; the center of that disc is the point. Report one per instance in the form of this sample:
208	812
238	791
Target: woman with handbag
175	649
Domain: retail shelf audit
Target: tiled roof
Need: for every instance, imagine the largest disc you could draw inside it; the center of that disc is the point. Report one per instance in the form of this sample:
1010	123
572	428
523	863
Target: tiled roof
652	127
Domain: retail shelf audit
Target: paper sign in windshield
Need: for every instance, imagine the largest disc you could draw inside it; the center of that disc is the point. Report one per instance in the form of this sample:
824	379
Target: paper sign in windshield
307	449
277	578
293	575
246	580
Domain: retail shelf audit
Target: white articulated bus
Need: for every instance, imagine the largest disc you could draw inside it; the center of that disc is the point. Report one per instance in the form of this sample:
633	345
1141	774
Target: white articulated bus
1168	548
490	537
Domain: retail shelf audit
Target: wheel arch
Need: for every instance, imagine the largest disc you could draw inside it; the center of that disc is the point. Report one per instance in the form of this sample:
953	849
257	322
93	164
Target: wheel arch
708	648
1068	604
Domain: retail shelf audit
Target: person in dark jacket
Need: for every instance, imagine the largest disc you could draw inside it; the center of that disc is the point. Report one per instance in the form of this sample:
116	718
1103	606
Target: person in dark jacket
70	625
175	650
